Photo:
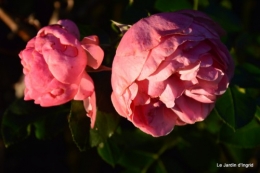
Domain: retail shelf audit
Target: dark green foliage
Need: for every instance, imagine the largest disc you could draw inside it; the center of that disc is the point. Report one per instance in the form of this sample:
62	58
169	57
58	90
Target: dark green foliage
235	108
24	117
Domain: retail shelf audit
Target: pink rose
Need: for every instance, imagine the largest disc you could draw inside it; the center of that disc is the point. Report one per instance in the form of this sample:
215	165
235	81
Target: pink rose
169	69
54	65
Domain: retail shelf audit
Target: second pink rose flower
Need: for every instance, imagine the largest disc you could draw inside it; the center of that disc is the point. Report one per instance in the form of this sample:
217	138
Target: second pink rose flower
54	64
169	69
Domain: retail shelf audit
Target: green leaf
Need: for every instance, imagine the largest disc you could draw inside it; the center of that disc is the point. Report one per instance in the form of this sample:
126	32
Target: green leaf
136	160
197	147
16	121
107	119
105	126
122	27
247	75
22	115
237	154
79	125
52	123
146	155
257	113
172	5
246	137
109	151
235	108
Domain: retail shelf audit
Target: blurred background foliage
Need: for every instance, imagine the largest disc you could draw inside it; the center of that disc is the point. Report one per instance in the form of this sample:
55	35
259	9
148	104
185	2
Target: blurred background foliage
59	139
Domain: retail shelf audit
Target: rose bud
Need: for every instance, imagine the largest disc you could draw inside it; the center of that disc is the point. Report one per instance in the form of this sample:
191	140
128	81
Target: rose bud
169	69
54	63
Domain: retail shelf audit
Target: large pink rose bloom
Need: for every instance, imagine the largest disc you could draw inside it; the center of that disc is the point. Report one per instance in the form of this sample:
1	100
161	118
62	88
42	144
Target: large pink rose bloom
169	69
54	65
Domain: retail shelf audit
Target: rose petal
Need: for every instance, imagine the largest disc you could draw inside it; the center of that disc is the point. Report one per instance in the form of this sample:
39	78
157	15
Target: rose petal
224	59
65	68
65	37
92	39
191	111
180	122
95	55
151	64
99	69
142	98
200	95
31	43
27	94
56	93
168	24
30	93
158	54
199	30
70	27
118	103
174	88
206	60
193	53
39	75
146	33
26	57
189	72
125	100
209	86
123	77
209	73
205	21
154	119
222	85
133	89
140	39
90	107
166	68
85	88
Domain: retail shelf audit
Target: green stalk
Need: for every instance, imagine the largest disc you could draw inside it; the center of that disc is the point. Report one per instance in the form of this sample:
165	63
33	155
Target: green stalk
195	5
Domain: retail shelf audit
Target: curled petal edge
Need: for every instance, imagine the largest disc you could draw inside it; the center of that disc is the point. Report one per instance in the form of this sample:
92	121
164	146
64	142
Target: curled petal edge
90	107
